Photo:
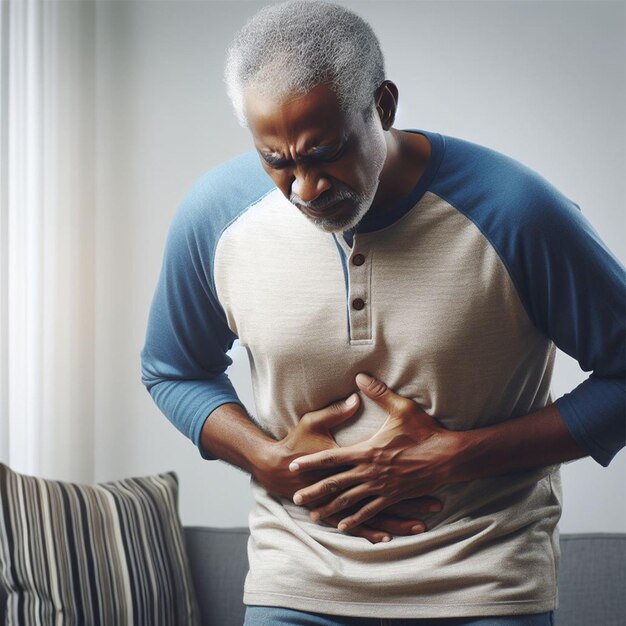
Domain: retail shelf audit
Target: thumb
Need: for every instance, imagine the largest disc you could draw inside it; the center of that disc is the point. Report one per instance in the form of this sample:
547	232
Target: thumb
378	391
333	414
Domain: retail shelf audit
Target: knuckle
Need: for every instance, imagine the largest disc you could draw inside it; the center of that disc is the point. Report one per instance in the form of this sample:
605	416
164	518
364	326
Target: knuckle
371	473
306	419
335	408
331	459
377	387
331	486
379	458
406	403
377	454
374	479
343	501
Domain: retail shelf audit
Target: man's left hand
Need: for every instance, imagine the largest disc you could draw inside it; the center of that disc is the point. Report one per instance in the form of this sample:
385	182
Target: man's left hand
409	457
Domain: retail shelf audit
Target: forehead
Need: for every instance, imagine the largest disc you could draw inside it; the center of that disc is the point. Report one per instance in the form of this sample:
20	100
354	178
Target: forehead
309	118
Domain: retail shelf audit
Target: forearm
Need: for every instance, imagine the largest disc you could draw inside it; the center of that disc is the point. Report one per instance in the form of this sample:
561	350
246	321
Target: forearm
535	440
230	435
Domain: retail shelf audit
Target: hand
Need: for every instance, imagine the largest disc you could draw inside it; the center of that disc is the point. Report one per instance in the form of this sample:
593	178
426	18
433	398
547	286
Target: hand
312	434
402	518
408	457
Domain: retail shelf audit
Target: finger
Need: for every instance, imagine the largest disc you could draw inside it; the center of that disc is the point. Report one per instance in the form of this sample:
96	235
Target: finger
342	502
365	513
396	525
373	535
378	391
333	414
350	455
415	506
328	486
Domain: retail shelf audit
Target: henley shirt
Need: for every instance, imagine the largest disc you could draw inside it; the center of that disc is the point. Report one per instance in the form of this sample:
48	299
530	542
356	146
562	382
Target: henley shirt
469	284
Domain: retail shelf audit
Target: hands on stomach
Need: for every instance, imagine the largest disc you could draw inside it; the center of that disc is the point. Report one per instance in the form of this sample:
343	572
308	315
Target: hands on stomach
378	487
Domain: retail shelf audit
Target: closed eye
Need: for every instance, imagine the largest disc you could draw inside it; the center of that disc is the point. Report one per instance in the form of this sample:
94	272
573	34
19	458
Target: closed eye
275	162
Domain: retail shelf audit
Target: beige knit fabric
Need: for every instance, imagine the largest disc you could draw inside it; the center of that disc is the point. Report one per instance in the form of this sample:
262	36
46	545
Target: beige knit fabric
444	325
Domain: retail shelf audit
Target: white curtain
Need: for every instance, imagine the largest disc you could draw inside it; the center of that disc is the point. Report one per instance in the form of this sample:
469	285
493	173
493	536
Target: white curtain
47	216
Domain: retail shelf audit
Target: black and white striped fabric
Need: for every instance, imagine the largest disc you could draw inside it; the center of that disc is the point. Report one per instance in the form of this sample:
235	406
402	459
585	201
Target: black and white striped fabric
111	554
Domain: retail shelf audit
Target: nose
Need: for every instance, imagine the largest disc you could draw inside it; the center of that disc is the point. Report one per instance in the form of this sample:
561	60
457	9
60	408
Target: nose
308	185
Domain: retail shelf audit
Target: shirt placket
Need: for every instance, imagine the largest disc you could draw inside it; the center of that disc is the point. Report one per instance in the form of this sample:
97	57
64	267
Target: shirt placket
359	266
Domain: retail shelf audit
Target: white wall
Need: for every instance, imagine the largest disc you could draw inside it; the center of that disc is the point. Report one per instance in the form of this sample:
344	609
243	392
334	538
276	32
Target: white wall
543	82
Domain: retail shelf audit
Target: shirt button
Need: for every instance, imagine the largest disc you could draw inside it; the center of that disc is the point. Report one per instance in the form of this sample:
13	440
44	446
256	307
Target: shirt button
358	304
358	259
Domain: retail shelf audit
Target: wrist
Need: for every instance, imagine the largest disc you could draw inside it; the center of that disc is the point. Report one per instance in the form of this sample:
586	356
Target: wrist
469	447
229	434
452	456
517	444
263	456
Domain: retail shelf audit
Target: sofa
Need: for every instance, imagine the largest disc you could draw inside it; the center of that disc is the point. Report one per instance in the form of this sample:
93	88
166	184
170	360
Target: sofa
591	583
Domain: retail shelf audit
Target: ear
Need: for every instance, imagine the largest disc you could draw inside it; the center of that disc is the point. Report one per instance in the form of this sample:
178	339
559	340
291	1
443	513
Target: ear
386	98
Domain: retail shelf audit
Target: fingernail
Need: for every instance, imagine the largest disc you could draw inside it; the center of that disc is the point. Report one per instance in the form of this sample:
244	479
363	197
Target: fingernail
293	467
352	400
363	379
386	538
417	529
297	499
315	516
342	527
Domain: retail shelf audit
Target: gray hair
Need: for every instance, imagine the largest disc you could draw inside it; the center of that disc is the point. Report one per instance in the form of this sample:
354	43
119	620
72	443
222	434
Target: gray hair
291	47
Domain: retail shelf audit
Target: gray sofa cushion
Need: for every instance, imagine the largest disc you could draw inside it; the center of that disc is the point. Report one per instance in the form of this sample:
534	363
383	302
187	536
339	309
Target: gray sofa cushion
592	580
218	559
591	583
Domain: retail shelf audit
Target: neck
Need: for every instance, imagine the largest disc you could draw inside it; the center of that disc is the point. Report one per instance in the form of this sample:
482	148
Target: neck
407	157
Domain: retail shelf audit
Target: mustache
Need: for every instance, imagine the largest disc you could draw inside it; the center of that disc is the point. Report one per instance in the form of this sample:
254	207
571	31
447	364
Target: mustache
323	202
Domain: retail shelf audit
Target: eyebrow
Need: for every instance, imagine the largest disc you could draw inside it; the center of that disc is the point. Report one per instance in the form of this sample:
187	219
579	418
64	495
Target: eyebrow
317	153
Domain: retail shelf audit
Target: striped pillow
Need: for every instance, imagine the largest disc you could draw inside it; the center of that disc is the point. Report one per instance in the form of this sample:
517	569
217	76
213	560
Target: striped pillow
111	554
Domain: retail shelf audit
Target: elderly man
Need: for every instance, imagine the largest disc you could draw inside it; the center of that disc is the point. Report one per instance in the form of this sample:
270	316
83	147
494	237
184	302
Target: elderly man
400	295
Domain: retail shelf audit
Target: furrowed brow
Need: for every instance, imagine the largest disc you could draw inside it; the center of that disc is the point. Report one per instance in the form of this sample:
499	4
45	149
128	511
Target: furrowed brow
317	153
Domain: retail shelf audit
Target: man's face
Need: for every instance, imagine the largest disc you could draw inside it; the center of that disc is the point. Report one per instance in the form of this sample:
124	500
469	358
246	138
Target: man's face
324	161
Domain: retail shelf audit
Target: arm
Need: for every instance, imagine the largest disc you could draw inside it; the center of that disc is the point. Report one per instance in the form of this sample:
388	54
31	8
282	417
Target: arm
184	358
574	289
229	434
535	440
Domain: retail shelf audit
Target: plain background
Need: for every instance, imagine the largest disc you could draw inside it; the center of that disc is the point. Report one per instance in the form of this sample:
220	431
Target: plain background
543	82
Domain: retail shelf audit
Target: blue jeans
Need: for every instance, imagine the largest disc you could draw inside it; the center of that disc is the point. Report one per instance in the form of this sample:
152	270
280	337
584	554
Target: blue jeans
279	616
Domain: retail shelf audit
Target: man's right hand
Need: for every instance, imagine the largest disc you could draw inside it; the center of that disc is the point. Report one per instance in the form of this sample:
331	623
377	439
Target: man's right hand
312	434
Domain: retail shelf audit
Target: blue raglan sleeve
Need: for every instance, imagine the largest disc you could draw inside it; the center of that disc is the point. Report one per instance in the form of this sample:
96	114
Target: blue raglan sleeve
184	357
577	296
571	285
574	289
